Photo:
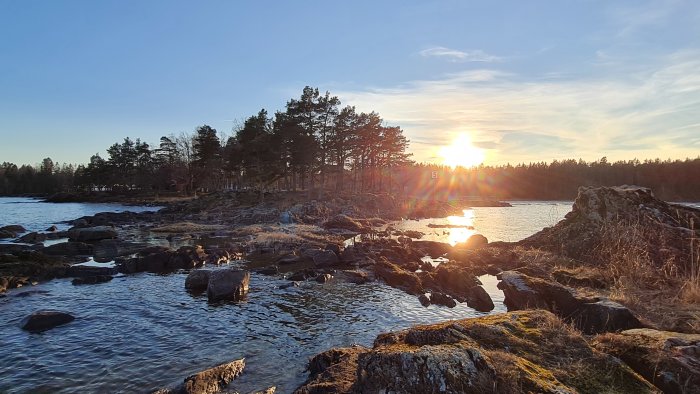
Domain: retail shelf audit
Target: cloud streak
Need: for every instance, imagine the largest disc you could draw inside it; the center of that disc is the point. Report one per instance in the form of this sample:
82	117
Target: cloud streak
460	56
643	114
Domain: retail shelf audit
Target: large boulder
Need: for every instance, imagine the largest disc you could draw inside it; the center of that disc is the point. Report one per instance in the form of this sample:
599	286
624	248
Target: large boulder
398	277
13	229
669	360
523	352
45	320
626	217
227	284
209	381
604	316
91	234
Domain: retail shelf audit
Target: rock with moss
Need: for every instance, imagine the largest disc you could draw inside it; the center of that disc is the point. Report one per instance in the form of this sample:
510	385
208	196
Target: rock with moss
517	352
669	360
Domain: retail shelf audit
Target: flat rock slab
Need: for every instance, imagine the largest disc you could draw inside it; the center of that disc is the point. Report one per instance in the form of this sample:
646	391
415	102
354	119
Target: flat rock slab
45	320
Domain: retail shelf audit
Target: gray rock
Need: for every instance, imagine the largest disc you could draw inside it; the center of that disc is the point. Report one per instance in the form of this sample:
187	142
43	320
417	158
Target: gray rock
321	258
227	284
69	249
91	234
45	320
32	238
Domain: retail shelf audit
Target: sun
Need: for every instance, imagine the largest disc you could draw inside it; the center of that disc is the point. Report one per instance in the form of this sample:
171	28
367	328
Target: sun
462	153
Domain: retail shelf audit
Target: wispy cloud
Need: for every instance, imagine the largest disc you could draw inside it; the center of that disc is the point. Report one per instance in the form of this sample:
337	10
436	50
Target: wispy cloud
643	114
460	56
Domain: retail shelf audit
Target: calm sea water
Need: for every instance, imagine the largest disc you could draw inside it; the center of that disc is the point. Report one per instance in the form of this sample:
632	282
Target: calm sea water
144	331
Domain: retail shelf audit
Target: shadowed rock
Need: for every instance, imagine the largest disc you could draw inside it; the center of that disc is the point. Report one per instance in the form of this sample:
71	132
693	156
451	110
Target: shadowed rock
227	284
197	280
91	280
45	320
91	234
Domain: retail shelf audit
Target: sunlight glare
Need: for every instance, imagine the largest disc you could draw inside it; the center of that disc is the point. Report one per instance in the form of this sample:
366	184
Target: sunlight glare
462	153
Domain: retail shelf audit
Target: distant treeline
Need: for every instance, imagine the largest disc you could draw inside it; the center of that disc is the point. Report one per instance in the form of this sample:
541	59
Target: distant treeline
315	143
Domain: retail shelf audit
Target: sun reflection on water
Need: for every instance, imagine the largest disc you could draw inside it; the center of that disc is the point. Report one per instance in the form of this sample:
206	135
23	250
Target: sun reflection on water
465	229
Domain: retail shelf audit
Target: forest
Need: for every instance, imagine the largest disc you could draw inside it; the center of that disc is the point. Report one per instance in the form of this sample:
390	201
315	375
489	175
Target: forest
316	144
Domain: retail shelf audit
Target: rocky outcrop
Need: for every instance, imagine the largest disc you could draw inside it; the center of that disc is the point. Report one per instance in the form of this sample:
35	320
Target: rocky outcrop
523	352
209	381
32	238
69	249
343	222
432	248
45	320
398	277
321	258
626	213
669	360
91	234
227	285
108	249
11	231
525	292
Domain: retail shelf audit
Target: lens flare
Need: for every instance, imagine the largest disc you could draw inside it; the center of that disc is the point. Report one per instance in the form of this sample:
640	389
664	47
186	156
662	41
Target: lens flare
462	153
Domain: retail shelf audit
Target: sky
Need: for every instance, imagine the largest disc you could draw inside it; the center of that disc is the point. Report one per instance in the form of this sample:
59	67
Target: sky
527	81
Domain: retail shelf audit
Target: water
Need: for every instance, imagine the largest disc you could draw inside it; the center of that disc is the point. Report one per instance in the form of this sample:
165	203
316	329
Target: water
144	331
508	224
35	215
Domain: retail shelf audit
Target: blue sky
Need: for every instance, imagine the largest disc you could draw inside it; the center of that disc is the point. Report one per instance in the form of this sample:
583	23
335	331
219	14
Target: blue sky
527	80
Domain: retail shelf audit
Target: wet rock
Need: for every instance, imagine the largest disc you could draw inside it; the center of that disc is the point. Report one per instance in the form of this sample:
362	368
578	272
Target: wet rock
523	352
15	248
270	270
480	300
321	258
7	234
442	299
604	316
669	360
299	276
323	278
45	320
52	229
197	280
343	222
209	381
288	285
424	300
32	238
332	371
356	277
91	234
108	249
91	280
288	259
227	284
455	280
29	293
69	249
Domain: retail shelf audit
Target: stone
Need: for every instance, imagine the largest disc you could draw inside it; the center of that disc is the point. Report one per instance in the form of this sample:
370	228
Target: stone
343	222
69	249
52	228
14	229
525	292
197	280
82	271
442	299
332	371
321	258
604	316
91	234
424	300
480	300
32	238
213	379
45	320
227	284
397	277
432	248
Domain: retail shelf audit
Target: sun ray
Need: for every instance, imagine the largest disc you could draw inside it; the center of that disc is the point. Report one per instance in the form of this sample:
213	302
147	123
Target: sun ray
462	153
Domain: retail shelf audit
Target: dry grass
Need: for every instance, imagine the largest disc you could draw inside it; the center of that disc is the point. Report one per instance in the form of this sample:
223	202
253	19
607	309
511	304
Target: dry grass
295	234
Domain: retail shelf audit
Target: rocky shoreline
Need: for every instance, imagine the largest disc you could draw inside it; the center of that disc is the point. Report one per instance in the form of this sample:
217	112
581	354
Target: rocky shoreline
577	319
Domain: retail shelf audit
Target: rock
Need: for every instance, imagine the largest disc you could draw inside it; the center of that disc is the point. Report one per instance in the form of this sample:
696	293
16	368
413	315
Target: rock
161	260
7	234
604	316
108	249
521	352
69	249
299	276
476	241
580	279
432	248
442	299
321	258
525	292
33	238
29	293
343	222
332	371
288	259
323	278
197	280
15	249
479	299
454	280
227	284
288	285
214	379
45	320
356	277
424	300
397	277
335	248
669	360
91	280
52	229
14	229
91	234
269	270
